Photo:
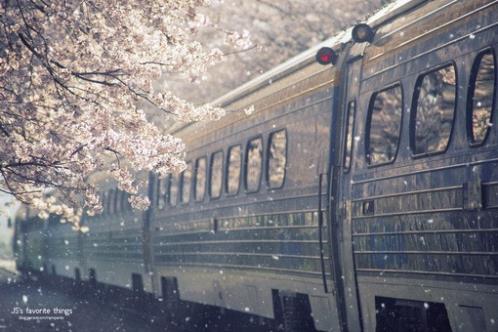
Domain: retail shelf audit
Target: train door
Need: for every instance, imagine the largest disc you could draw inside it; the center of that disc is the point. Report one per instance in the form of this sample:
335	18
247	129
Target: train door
340	189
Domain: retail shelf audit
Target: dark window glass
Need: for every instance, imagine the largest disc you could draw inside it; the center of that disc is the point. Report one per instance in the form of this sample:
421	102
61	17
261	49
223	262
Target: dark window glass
481	96
200	178
233	169
385	114
186	183
435	97
216	178
254	158
173	190
349	134
277	158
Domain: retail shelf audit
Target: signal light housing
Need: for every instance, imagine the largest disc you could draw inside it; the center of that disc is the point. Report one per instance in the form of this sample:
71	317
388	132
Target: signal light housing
326	56
363	33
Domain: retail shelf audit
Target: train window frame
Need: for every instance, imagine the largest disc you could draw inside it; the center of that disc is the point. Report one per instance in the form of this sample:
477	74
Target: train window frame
349	129
182	185
195	173
227	165
245	163
210	178
266	156
371	103
413	110
476	65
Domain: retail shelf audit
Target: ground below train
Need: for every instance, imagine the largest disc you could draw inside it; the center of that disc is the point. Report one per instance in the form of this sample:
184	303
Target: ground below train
25	305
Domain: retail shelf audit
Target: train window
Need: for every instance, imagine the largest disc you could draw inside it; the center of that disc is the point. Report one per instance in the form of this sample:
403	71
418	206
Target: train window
126	198
158	190
254	158
277	159
118	200
105	201
433	111
349	135
384	125
186	183
109	201
200	178
234	165
173	190
165	189
162	186
113	200
216	174
481	97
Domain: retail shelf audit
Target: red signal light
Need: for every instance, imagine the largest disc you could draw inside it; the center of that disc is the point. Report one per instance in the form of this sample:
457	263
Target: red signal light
326	56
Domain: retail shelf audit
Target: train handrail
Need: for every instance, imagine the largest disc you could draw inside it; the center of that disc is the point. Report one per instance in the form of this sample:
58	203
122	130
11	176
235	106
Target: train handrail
320	233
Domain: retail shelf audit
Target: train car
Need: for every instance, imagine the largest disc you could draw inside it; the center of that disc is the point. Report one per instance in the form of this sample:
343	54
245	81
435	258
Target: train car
29	242
417	187
358	196
113	248
243	227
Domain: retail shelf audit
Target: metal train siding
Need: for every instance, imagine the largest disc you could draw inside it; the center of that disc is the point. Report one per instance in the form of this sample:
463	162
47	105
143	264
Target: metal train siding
364	194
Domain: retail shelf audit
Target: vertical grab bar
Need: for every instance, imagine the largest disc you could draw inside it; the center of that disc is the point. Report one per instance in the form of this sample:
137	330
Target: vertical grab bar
320	232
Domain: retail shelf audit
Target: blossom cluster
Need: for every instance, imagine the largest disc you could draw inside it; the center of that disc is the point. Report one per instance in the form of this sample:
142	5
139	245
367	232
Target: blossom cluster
74	78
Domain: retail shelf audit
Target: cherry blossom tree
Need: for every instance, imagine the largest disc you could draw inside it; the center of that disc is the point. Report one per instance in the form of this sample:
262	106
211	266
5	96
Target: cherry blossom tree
75	76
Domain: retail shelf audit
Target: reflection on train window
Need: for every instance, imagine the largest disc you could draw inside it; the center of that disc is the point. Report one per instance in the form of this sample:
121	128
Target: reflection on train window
349	135
481	96
216	176
433	110
162	186
186	183
254	161
277	158
386	109
234	165
200	178
173	190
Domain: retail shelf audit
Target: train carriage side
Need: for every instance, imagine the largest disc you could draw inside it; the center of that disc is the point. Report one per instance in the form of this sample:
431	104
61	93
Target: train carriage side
31	243
420	197
241	226
113	249
63	254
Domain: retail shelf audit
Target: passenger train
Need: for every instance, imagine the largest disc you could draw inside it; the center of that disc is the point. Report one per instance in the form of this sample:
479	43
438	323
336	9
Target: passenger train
360	195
